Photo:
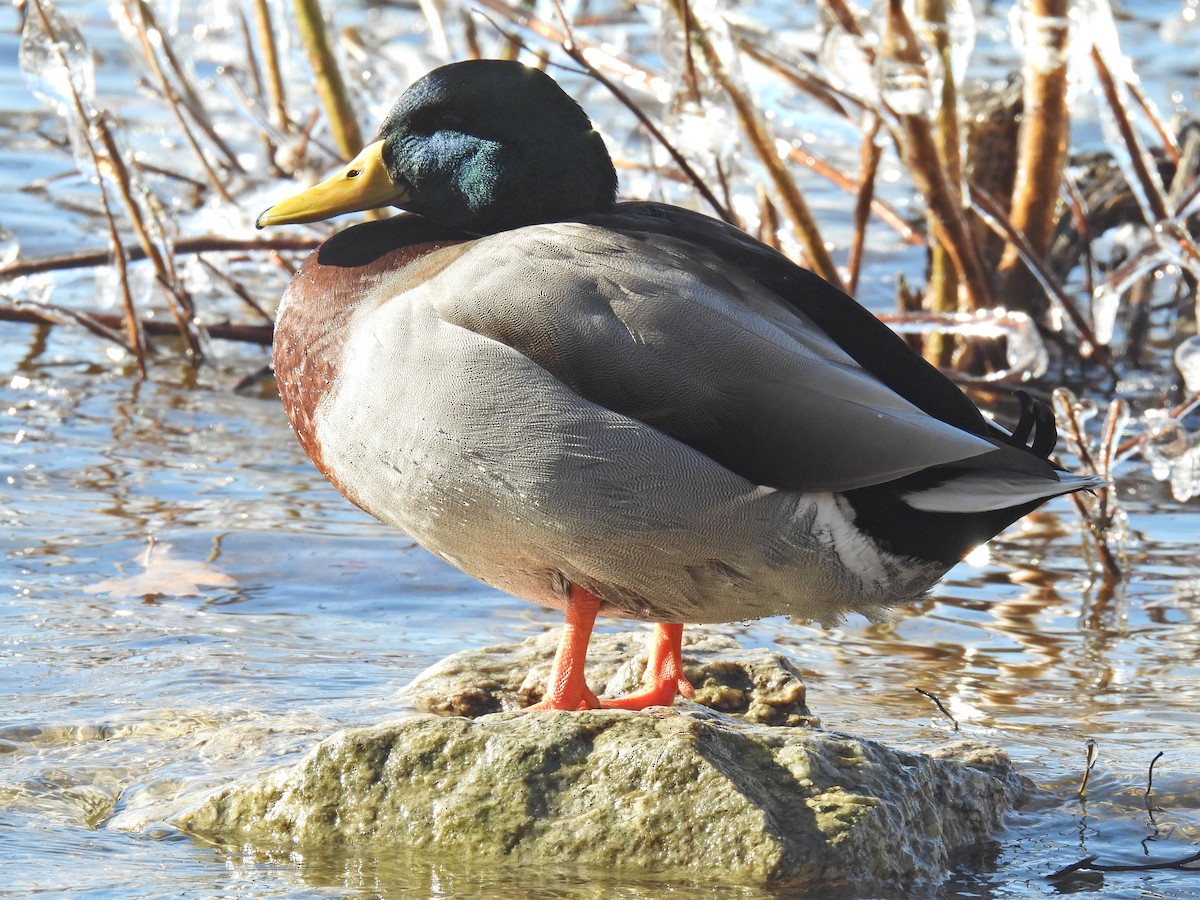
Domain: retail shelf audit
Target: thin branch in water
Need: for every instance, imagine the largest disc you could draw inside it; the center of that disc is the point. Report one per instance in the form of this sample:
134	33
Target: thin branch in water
1150	780
1169	144
1075	204
802	80
192	102
884	212
254	99
1089	864
84	259
237	288
108	326
1042	144
178	301
768	218
941	289
691	77
1185	186
938	704
843	15
252	65
996	219
87	123
133	328
723	181
432	13
1066	408
1092	755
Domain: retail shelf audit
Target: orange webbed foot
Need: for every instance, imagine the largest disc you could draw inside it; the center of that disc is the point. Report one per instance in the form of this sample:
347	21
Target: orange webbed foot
568	690
569	700
664	673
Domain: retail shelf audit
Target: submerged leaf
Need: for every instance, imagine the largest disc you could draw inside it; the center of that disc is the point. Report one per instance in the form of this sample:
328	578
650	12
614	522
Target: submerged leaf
164	576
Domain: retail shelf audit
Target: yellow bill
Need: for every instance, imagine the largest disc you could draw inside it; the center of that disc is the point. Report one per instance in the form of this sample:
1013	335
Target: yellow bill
363	184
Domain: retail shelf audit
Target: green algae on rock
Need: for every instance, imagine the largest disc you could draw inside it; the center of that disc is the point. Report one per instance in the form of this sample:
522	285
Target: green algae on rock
684	790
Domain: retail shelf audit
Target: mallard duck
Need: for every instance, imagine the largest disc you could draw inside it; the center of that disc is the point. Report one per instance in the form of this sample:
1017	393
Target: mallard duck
626	409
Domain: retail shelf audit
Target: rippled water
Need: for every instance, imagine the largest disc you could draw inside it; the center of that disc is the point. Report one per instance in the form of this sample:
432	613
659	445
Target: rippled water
308	617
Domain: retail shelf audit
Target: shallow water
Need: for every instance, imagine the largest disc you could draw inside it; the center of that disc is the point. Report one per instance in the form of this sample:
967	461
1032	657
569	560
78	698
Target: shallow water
308	616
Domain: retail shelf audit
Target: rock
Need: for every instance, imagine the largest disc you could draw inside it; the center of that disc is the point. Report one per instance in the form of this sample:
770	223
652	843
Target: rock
683	790
757	685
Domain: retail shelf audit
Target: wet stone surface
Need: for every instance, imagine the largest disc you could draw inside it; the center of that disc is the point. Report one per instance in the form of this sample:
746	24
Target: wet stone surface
684	789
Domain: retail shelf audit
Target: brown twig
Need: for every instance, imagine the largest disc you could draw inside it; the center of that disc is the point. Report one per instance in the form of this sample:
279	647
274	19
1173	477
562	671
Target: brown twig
1041	148
882	210
276	98
255	99
763	143
83	259
843	16
330	85
1169	144
1185	187
803	80
192	102
941	291
237	288
85	122
938	704
995	217
133	327
1099	521
837	101
921	155
178	300
144	24
108	326
869	154
1144	180
768	218
1114	425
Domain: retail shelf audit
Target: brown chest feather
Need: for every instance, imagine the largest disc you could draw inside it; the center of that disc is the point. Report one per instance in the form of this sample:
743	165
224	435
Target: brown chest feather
324	300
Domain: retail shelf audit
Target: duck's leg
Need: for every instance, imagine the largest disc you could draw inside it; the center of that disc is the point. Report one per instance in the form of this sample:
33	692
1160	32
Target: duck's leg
567	688
664	672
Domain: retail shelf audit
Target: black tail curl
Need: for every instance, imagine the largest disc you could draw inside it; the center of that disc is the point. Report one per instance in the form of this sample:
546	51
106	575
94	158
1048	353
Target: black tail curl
1036	420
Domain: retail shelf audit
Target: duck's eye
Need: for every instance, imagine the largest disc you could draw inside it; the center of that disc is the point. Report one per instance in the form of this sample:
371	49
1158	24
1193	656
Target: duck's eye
354	173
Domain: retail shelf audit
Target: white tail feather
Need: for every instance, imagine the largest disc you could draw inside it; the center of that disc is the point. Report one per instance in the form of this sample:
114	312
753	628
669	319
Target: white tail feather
984	491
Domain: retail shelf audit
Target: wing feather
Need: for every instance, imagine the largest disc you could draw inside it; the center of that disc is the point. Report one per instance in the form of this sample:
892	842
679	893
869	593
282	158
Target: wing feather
655	328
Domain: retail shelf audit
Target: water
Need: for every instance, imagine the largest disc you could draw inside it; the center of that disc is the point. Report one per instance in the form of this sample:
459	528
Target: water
307	616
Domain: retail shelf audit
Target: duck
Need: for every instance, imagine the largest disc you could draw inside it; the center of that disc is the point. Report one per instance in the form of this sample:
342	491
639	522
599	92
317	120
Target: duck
620	408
